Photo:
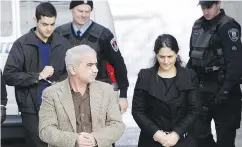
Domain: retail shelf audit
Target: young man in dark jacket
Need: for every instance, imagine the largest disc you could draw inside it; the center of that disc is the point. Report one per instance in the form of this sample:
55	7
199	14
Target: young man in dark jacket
35	61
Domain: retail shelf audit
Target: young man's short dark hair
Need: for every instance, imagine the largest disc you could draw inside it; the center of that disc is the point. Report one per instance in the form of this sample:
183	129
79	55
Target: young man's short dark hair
45	9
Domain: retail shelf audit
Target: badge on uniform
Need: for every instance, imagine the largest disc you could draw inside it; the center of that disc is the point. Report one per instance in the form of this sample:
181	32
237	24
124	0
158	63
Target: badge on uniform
233	34
114	44
234	48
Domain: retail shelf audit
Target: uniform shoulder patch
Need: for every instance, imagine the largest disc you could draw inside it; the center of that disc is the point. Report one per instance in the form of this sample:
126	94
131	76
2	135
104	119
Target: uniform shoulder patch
114	44
233	34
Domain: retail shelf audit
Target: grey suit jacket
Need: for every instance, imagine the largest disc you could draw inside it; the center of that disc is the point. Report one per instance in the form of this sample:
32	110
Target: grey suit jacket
57	121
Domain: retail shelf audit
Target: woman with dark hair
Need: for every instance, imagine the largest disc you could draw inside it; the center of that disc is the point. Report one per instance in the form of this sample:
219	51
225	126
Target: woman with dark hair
165	102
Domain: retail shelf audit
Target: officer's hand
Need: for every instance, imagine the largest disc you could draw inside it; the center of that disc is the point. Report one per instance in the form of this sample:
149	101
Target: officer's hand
221	97
3	113
123	105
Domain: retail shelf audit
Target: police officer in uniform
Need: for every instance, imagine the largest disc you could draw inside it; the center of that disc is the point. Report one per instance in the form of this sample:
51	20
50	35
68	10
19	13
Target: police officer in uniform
216	56
83	30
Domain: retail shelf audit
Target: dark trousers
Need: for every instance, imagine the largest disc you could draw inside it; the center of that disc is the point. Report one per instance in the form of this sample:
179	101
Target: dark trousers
31	128
225	124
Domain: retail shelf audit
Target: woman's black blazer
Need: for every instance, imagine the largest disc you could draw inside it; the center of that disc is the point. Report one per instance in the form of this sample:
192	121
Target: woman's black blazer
176	111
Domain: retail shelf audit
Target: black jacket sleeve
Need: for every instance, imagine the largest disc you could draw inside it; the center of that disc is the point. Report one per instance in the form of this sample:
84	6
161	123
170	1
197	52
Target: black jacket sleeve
3	91
13	71
230	35
113	56
66	46
193	110
189	63
139	110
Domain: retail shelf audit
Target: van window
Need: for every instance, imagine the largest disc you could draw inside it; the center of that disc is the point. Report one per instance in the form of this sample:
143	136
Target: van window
6	18
27	13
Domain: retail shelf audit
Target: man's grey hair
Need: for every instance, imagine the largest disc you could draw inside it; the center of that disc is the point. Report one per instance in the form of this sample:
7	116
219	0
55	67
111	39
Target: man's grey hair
74	55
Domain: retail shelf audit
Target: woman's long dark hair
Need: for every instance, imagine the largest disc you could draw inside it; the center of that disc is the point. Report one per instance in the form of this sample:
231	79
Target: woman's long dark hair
166	40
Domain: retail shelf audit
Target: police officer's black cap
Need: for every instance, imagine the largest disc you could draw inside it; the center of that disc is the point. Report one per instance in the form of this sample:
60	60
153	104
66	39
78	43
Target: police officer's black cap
207	3
75	3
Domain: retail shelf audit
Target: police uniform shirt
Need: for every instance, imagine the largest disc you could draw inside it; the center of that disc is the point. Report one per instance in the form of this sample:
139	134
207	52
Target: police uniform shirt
230	41
110	50
83	29
230	38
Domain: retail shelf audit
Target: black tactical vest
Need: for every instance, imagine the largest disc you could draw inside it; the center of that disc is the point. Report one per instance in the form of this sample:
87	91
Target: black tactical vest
206	53
91	37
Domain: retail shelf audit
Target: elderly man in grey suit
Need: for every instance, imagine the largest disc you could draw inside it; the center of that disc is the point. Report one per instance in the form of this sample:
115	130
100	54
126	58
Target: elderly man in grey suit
80	111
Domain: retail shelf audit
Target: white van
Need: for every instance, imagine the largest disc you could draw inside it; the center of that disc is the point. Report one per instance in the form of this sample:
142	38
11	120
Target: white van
17	18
